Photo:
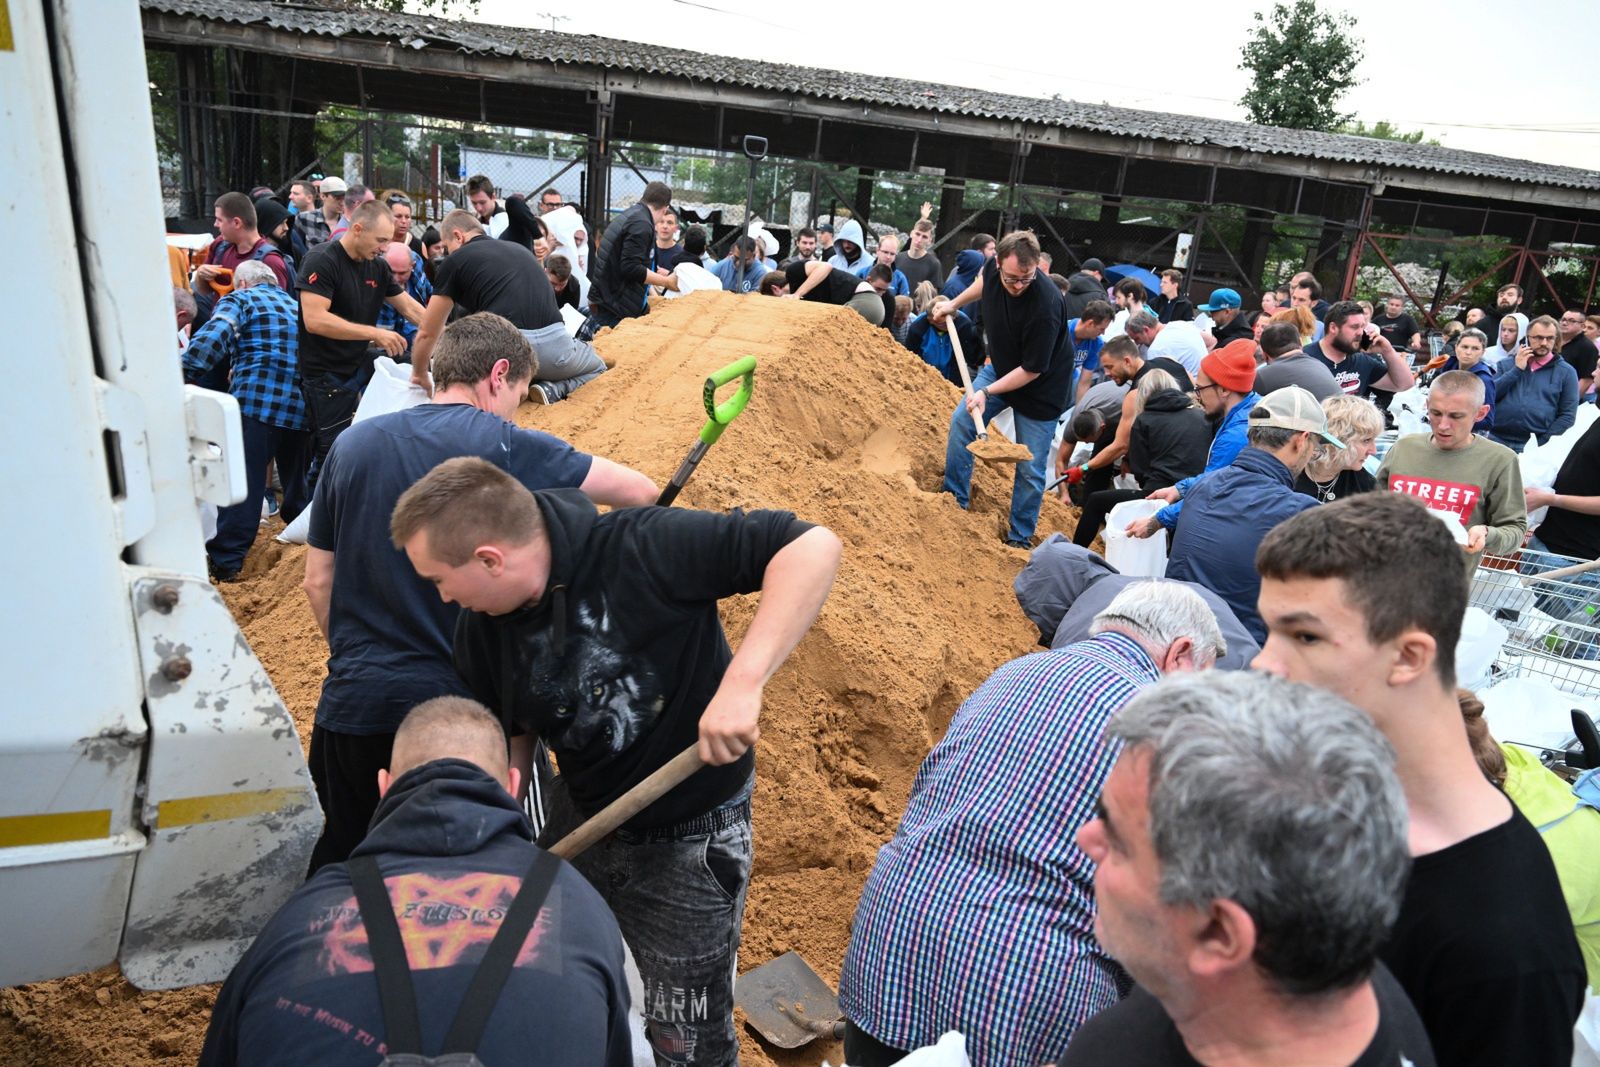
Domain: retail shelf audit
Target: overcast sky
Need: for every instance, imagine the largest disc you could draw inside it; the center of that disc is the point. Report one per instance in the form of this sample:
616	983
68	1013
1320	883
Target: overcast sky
1471	81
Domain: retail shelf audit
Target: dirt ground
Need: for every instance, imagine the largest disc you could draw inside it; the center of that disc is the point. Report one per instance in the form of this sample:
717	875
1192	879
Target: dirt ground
846	429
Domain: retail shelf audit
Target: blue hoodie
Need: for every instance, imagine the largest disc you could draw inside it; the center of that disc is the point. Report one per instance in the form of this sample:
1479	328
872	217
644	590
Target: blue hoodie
1485	375
1534	403
969	264
933	344
453	847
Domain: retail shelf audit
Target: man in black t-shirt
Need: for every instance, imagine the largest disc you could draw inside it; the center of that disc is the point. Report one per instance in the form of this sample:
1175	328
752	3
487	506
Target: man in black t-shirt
1344	350
917	262
1235	887
388	634
1572	525
482	274
600	634
344	283
1576	348
1397	326
1030	371
1364	597
827	284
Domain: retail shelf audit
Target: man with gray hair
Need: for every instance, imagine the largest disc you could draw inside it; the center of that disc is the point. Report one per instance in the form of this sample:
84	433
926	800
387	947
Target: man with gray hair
979	914
1249	866
254	331
1181	342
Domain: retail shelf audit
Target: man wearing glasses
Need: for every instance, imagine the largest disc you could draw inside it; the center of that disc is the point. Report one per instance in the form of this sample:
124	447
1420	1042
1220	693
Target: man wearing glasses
1030	371
1577	349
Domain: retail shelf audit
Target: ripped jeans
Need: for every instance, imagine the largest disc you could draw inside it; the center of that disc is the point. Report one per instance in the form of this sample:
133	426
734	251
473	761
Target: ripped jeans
678	894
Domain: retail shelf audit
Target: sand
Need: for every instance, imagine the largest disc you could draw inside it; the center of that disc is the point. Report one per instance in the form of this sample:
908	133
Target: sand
846	429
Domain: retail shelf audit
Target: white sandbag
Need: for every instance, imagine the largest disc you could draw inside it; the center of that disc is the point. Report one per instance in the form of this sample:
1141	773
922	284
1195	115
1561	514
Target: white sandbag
1530	709
1479	645
951	1051
573	318
1142	557
1452	522
692	278
1125	482
1006	423
389	390
1410	410
1541	463
1586	1043
208	520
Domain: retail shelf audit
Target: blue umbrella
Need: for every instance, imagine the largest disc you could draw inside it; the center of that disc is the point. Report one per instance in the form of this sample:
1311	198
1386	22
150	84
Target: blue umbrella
1113	275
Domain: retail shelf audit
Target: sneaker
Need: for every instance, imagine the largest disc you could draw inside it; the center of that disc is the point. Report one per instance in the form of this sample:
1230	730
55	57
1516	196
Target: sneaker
540	393
1018	544
219	575
269	508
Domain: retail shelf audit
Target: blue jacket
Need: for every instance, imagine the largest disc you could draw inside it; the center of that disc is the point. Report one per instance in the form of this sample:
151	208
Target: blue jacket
933	344
1485	374
898	285
1539	403
1224	520
1225	447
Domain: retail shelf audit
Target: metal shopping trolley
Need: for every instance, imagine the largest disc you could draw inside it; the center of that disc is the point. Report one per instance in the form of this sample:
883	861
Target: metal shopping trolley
1550	608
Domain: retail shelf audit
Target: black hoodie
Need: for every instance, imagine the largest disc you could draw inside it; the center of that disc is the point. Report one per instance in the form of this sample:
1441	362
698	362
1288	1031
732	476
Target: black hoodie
1082	288
615	663
1171	439
453	847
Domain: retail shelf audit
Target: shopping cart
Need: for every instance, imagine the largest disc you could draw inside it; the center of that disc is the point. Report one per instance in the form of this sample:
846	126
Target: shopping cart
1550	606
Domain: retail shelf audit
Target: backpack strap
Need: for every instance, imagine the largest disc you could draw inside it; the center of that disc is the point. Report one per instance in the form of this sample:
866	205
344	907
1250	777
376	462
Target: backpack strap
479	1001
401	1029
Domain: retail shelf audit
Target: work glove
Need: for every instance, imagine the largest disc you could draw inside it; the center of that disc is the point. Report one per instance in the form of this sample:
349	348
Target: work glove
1075	474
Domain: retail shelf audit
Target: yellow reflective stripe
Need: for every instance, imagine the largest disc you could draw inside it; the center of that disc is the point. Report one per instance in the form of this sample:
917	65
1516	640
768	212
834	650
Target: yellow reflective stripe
218	807
55	827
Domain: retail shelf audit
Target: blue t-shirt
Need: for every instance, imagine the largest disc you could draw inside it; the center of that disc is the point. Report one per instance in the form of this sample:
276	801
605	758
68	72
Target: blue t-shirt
1085	354
389	634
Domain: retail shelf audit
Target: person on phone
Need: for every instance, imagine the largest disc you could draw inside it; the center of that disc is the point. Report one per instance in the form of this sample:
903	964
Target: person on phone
1357	353
1536	391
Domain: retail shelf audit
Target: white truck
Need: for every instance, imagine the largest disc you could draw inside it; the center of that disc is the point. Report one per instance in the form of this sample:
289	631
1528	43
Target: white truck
155	807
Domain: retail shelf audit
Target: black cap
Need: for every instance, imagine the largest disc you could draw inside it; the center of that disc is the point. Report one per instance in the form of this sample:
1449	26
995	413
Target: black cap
1093	264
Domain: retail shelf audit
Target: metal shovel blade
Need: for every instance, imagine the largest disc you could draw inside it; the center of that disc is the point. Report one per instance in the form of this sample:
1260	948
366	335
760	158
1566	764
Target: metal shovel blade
787	1003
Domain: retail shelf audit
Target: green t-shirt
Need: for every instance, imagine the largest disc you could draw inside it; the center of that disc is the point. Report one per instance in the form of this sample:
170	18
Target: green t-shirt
1480	484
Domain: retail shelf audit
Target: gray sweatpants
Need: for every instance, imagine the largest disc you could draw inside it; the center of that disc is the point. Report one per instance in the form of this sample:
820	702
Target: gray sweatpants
564	362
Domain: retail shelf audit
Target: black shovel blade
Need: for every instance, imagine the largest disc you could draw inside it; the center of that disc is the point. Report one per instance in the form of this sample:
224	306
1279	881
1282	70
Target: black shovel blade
786	1002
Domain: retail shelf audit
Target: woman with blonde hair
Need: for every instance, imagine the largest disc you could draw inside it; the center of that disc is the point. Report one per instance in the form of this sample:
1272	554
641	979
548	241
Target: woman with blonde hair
1335	473
1301	319
922	297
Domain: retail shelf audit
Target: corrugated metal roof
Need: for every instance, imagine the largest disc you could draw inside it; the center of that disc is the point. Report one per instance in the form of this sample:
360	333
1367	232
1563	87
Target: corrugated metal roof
583	50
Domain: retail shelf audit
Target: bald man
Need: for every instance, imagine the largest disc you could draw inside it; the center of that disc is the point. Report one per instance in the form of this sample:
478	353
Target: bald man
410	276
448	853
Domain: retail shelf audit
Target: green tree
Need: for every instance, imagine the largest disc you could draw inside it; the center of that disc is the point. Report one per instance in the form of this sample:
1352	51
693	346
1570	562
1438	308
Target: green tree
1385	131
1301	61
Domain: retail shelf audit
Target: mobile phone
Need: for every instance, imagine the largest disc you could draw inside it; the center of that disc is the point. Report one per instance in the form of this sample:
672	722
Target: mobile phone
1366	340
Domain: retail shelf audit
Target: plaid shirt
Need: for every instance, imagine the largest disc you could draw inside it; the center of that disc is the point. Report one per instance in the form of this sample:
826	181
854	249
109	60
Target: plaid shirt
420	289
312	227
257	328
979	914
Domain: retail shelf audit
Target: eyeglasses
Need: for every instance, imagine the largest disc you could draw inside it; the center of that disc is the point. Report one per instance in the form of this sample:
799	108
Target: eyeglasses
397	199
1017	282
1202	388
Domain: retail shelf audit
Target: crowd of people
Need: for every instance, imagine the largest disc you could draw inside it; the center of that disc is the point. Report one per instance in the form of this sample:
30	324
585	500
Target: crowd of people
1124	849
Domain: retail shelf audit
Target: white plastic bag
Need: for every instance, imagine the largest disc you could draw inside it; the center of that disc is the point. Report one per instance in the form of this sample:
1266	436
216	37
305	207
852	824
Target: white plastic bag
1541	463
1410	410
1481	638
1586	1043
692	278
951	1051
1141	557
389	390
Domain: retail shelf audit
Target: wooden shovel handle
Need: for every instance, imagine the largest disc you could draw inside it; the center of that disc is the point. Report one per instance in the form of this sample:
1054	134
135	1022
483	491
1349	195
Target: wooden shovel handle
631	803
966	378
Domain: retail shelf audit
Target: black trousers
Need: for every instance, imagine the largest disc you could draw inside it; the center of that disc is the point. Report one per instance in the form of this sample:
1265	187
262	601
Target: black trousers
1096	506
344	768
861	1049
331	403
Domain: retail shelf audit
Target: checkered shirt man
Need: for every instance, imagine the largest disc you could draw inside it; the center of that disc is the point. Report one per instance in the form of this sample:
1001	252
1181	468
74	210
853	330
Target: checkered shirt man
257	329
979	915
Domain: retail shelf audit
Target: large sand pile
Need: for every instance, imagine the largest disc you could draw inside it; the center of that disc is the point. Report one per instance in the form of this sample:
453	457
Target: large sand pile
846	429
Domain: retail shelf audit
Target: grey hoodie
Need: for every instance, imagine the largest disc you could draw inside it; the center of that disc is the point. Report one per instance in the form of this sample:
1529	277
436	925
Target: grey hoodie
850	231
1064	587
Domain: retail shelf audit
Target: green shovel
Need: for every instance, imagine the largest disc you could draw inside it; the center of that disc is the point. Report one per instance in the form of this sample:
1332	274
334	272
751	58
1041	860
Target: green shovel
720	415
